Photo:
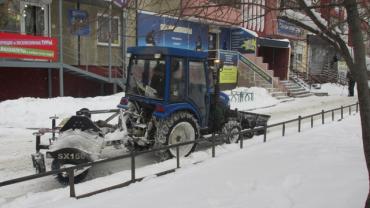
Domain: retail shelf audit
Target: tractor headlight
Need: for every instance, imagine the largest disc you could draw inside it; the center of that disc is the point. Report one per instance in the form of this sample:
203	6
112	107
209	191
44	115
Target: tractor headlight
157	55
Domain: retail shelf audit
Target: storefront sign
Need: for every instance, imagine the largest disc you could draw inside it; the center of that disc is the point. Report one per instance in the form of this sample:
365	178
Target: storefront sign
171	32
286	28
229	72
243	41
14	45
78	22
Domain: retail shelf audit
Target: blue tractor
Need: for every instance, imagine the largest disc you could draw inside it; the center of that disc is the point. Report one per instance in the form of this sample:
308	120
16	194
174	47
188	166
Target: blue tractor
172	96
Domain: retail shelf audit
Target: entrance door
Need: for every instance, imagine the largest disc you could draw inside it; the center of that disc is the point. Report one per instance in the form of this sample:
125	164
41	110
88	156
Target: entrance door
212	41
34	19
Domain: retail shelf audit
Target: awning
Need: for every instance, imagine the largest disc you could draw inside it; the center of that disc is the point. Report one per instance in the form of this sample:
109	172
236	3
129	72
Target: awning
273	43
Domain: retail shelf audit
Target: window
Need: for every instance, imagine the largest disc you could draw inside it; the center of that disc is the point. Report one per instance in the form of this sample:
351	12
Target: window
103	30
231	3
178	90
147	78
9	16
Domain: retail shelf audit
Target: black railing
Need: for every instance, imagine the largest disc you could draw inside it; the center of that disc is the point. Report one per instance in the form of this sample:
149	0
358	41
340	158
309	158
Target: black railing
211	141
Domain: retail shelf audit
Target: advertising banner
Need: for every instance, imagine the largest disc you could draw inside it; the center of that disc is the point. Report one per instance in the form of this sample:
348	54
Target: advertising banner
229	72
171	32
243	41
288	29
78	22
14	45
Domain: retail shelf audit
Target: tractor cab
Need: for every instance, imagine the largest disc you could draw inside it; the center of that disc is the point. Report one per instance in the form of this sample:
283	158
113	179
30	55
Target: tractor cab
167	80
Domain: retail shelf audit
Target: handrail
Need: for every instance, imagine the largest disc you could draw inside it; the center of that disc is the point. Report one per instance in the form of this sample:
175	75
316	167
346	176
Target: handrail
255	68
133	155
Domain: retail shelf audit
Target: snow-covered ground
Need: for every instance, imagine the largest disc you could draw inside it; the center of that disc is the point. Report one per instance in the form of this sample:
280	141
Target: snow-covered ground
320	168
17	141
333	89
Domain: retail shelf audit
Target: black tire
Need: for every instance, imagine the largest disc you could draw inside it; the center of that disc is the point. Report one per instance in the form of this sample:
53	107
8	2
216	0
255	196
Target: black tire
64	179
231	130
173	128
249	134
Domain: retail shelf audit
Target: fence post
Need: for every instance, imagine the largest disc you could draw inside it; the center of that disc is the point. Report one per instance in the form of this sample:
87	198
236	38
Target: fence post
241	139
299	123
332	115
349	110
311	121
213	145
357	107
38	138
323	117
341	112
133	166
178	157
283	129
71	178
265	133
53	125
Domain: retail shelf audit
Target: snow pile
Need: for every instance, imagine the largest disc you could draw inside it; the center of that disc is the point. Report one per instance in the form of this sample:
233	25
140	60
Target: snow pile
334	89
320	168
261	99
35	112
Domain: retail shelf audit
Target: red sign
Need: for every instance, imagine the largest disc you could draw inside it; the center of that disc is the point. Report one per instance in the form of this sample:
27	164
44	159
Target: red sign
13	45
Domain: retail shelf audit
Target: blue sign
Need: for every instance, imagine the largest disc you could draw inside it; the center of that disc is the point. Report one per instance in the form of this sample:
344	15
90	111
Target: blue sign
229	57
286	28
171	32
243	41
78	22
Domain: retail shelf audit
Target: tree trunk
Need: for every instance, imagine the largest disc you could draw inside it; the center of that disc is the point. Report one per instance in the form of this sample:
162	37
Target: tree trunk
359	72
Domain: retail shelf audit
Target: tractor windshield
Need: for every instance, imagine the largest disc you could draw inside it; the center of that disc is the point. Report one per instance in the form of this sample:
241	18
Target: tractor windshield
147	78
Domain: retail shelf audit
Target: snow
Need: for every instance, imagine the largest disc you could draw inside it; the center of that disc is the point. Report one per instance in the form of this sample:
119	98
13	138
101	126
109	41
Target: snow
35	112
17	143
333	89
318	168
261	99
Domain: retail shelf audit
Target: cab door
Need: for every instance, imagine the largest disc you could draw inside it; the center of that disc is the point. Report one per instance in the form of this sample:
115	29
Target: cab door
197	88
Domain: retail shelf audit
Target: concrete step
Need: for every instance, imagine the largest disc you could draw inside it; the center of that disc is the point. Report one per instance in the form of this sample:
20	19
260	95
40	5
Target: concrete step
303	95
278	94
300	95
296	90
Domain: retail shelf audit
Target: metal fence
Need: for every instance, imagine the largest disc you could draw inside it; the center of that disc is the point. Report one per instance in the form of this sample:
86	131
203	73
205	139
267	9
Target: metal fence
209	142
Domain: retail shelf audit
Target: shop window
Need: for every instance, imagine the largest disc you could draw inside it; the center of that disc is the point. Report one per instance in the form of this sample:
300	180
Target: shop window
103	30
9	16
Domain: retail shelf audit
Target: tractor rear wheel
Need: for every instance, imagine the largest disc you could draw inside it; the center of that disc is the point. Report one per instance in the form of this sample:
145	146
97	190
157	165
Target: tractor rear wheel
231	130
179	127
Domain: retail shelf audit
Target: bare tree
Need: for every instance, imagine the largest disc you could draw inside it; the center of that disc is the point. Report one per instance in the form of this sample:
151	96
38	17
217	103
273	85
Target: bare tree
304	14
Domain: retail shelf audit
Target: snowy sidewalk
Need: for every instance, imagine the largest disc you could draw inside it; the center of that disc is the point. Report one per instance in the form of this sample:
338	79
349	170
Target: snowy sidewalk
320	168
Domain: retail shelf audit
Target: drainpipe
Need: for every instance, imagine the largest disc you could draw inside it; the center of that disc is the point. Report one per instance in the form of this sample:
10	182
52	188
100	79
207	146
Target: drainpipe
110	41
61	76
